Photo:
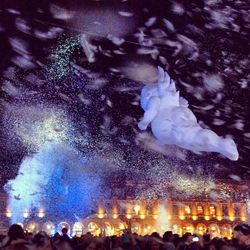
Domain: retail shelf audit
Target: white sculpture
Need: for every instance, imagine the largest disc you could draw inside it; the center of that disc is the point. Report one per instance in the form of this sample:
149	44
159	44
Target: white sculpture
172	122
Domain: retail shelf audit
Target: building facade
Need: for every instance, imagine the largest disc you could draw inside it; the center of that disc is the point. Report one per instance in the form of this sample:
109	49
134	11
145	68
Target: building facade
203	213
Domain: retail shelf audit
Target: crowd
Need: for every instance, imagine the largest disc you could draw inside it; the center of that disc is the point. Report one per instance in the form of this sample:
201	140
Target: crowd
17	239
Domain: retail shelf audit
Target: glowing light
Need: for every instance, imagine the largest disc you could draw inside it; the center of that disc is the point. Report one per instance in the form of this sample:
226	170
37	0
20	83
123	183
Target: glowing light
182	217
25	214
212	210
128	216
121	226
32	227
8	213
231	218
56	171
101	213
162	223
49	228
155	216
100	216
41	213
93	228
187	209
109	230
207	217
199	209
142	216
219	218
137	208
78	229
243	218
115	216
194	217
147	228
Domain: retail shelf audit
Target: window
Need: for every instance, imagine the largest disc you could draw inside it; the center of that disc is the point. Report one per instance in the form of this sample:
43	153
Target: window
175	209
187	210
199	210
49	228
78	229
94	229
225	210
212	211
201	228
237	209
188	228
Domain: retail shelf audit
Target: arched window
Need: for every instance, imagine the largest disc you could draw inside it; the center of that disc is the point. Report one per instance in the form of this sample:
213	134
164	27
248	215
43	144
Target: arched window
187	210
199	210
94	229
201	228
177	229
49	228
147	229
226	231
188	228
214	230
62	225
212	210
77	229
225	209
109	230
136	228
32	227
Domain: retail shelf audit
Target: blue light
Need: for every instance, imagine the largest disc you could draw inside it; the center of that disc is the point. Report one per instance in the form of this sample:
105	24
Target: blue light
57	179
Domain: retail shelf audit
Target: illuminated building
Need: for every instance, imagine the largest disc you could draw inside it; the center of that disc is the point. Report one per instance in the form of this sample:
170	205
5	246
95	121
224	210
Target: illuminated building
183	213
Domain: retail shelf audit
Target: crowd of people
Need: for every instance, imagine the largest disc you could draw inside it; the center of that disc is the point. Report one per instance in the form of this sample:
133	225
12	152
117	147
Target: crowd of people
17	239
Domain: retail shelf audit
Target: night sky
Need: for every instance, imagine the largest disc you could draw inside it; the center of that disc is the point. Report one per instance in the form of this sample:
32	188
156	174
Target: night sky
45	71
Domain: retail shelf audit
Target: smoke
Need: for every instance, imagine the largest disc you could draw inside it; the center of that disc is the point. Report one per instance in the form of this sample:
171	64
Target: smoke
162	223
57	179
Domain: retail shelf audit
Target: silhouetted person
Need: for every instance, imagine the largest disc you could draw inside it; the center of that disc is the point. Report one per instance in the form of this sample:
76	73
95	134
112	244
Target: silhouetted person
65	237
168	239
242	234
186	240
16	238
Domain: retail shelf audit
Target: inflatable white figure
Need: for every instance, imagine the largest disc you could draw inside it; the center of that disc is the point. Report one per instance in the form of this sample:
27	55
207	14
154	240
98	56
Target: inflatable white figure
172	122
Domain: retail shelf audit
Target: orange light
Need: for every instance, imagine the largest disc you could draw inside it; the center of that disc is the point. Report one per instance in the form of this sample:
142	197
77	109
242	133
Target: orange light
219	218
194	217
137	208
115	216
207	217
128	216
182	217
100	216
142	216
155	216
243	218
231	218
100	213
